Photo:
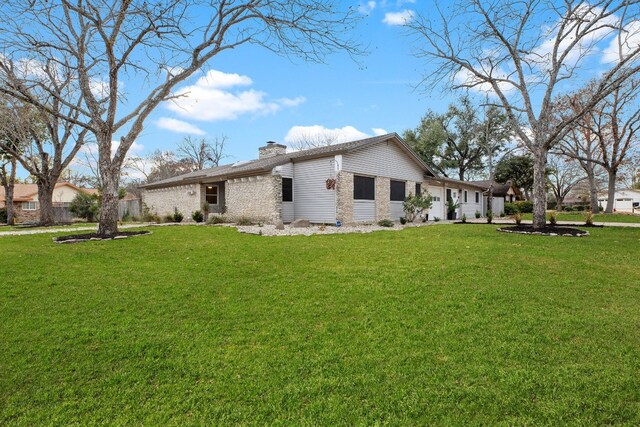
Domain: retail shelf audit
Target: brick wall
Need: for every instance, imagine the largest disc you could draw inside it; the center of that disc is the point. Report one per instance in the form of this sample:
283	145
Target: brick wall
163	201
344	199
255	197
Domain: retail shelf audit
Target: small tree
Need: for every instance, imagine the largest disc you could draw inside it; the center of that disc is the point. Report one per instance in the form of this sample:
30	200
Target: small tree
414	206
85	206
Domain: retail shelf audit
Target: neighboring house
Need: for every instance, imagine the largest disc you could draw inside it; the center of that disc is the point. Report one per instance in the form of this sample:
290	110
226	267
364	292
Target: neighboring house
625	200
358	181
25	199
502	193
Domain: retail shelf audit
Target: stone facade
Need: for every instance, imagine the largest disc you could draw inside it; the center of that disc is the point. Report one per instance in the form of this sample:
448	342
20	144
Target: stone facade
383	195
344	199
255	197
271	149
186	198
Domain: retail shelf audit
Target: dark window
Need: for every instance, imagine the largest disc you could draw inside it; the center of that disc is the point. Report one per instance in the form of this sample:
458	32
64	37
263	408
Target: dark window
397	191
418	188
211	194
465	196
477	197
364	188
287	189
449	195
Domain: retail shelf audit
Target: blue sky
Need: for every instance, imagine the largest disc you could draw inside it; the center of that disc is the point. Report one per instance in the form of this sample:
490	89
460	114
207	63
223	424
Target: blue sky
251	95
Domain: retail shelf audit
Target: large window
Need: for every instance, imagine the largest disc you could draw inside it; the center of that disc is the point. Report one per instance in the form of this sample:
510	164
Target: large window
29	206
364	188
397	191
287	189
418	189
211	194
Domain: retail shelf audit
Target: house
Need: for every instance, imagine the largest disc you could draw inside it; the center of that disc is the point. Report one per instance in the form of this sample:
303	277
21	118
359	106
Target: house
354	182
627	200
502	193
25	199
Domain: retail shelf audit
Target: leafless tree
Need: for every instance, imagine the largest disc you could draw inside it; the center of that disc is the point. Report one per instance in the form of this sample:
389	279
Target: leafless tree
564	174
8	166
109	46
524	52
305	141
202	152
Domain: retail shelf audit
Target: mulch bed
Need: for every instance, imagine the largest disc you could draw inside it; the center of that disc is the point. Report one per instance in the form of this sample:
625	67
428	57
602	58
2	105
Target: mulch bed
76	238
549	230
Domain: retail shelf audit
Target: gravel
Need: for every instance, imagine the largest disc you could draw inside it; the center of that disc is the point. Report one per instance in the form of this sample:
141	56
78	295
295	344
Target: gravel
270	230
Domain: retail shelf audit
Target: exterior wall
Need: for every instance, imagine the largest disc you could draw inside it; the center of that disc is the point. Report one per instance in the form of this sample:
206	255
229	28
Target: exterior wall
255	197
469	209
63	194
163	201
383	159
311	198
383	196
344	196
221	207
286	171
438	206
624	200
497	205
22	215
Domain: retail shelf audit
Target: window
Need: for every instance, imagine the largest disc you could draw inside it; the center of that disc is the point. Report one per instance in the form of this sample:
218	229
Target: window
364	188
449	197
287	189
477	197
418	188
211	194
398	189
436	198
465	196
29	206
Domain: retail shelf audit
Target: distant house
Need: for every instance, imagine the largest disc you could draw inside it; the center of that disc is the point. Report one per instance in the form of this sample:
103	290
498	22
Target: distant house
354	182
625	200
502	193
25	199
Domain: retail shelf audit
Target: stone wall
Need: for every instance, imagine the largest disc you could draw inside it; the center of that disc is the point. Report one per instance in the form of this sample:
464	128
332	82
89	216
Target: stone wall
163	201
383	194
344	199
255	197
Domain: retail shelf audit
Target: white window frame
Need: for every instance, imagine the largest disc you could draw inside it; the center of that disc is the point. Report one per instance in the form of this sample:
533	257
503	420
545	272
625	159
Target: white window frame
27	206
217	194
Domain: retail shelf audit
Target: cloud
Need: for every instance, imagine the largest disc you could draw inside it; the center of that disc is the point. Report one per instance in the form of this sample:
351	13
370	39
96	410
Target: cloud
178	126
399	18
465	77
215	96
623	44
319	135
366	8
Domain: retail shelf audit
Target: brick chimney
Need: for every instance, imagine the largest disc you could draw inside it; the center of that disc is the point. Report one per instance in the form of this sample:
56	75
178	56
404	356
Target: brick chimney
271	149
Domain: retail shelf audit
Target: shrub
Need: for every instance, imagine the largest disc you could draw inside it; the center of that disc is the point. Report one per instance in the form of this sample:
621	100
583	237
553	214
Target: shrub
464	218
385	223
148	215
403	220
518	218
553	220
3	215
510	208
436	218
413	206
478	214
84	206
579	208
243	220
589	219
198	216
177	215
168	218
502	215
522	206
567	209
489	217
216	219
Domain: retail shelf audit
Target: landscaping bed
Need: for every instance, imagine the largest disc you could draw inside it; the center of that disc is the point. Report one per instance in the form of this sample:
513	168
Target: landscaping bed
77	238
548	230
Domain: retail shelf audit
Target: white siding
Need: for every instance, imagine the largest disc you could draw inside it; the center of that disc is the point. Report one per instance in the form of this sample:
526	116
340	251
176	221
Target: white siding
469	209
364	210
497	206
288	211
396	210
311	199
383	159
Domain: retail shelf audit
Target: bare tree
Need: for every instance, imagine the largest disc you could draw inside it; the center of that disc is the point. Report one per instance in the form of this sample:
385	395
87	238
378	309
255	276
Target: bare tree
305	141
202	152
8	166
154	46
524	52
564	174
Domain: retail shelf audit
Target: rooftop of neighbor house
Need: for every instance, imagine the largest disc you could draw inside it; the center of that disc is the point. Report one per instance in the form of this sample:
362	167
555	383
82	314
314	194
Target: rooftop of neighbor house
273	154
29	192
499	189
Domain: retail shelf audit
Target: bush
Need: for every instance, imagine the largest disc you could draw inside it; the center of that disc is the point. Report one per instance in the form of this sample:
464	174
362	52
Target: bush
579	208
589	219
168	218
3	215
464	218
567	209
510	208
177	215
385	223
522	206
436	218
403	220
489	217
518	218
198	216
148	216
243	220
553	220
216	219
478	214
413	206
84	206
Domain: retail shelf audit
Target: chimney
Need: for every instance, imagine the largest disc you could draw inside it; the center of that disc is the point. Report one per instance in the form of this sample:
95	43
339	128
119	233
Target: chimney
271	149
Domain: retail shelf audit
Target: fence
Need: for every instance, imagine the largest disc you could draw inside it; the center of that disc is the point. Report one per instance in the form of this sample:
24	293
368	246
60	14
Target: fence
130	208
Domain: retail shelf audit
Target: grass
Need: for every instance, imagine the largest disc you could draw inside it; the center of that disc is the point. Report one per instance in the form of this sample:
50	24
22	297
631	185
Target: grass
580	217
444	325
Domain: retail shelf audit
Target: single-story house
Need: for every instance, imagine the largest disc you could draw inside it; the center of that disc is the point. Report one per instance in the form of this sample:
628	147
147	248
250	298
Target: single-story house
627	200
502	193
359	181
25	199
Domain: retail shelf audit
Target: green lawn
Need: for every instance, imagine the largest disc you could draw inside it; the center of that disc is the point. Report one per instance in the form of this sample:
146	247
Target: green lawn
441	325
580	217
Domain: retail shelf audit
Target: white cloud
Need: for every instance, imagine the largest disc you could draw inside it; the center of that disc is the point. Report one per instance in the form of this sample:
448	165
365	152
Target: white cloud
399	18
213	98
623	44
178	126
366	8
465	77
379	131
320	134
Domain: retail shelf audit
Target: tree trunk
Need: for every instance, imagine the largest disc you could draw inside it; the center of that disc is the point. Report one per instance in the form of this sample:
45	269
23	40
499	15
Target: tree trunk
559	202
108	225
611	191
593	191
45	200
8	182
540	189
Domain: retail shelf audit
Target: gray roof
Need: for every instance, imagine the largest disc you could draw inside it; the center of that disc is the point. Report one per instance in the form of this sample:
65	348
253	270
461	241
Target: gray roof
499	189
254	167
